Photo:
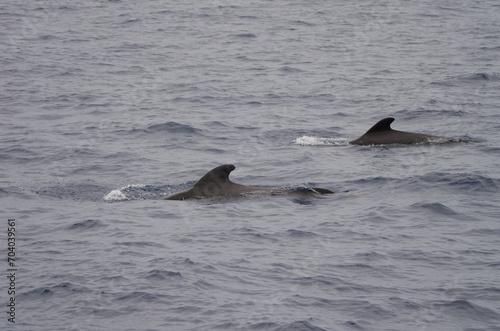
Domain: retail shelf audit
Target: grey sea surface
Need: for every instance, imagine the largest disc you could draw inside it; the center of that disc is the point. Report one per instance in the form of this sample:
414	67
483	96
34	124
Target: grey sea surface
108	106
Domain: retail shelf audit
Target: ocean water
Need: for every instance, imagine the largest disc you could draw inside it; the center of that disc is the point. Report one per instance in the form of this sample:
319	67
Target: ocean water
108	106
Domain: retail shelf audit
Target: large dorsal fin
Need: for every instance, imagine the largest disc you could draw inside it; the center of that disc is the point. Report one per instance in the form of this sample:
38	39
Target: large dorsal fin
382	125
217	177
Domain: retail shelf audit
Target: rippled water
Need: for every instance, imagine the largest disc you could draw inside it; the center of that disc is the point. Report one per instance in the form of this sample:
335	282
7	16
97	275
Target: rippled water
108	106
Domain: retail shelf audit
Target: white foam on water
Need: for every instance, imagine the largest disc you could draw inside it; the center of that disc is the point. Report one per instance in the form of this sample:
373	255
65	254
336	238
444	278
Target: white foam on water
317	141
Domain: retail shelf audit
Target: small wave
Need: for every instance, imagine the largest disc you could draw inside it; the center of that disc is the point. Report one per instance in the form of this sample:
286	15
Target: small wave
481	232
300	234
40	292
173	127
290	69
469	78
468	182
466	309
87	224
188	261
162	274
43	292
480	76
139	244
304	23
263	326
138	296
132	20
247	232
372	256
299	326
354	266
436	207
316	141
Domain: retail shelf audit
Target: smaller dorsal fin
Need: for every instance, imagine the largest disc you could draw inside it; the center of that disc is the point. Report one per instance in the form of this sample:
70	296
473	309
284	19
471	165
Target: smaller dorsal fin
218	176
382	125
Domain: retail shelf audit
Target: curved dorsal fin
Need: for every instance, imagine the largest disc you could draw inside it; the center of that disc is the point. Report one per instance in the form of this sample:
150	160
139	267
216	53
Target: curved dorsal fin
218	176
382	125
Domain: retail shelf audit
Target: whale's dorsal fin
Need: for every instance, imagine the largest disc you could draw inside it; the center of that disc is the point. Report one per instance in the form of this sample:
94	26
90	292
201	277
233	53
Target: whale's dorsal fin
215	179
382	125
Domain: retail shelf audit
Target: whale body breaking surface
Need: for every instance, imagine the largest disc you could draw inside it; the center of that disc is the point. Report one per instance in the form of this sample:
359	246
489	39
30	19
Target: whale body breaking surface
217	183
382	134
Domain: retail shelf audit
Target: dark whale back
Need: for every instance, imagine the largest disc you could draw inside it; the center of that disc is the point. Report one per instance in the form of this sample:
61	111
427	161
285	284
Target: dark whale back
216	182
382	133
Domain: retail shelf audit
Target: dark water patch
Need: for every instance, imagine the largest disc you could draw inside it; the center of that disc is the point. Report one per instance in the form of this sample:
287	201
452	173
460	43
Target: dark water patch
288	69
41	292
205	285
483	232
65	288
253	103
87	224
263	326
130	21
353	325
475	78
491	48
213	150
173	128
302	201
3	193
480	76
300	234
216	125
477	183
299	326
139	244
226	326
303	23
246	35
247	232
464	309
354	266
247	127
188	261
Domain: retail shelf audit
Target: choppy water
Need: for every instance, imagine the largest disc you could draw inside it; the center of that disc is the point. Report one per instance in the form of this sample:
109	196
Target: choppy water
107	106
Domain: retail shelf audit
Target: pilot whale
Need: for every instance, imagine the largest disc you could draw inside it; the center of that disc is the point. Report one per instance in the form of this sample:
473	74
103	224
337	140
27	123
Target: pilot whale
217	183
382	134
